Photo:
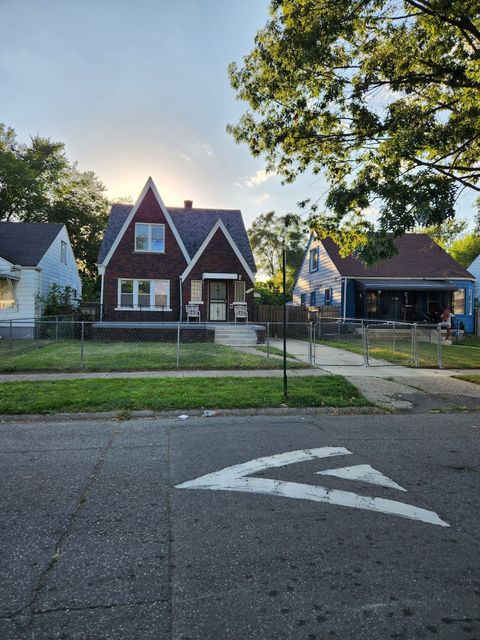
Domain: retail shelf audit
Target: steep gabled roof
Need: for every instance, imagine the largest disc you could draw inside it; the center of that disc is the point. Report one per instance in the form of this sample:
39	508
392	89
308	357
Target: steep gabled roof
25	243
418	257
193	225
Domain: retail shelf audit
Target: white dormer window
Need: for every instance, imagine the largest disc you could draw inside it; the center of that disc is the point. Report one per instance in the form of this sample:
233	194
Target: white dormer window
63	252
150	237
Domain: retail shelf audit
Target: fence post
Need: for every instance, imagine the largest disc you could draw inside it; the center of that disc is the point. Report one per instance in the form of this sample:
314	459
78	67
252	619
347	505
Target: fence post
10	335
56	329
310	344
394	338
268	339
82	364
415	345
439	346
365	343
178	345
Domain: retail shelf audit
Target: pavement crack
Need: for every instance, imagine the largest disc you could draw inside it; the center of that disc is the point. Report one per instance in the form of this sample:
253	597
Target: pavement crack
29	609
108	605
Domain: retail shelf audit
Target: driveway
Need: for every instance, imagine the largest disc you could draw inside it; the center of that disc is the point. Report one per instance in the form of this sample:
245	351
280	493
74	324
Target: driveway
360	527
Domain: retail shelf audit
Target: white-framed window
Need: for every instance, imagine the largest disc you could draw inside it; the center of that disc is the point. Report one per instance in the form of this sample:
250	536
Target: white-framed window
147	295
8	300
149	237
459	302
470	302
303	299
239	291
63	252
313	298
196	291
314	259
327	299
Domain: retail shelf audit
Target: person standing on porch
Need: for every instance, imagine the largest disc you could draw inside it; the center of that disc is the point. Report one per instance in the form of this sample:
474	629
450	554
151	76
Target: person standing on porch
446	320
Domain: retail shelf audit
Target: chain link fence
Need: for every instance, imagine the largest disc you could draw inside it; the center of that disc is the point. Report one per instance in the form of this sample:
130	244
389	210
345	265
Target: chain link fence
64	344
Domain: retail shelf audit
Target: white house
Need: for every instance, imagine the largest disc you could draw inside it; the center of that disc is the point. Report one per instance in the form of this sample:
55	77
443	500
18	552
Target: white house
33	256
474	269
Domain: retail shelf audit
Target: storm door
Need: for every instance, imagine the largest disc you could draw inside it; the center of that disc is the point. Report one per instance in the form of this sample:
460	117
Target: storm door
218	300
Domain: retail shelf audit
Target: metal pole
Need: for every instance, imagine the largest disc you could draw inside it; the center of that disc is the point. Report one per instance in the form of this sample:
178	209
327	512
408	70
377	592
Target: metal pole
365	342
82	364
11	336
415	345
56	330
284	277
178	345
394	338
439	346
268	340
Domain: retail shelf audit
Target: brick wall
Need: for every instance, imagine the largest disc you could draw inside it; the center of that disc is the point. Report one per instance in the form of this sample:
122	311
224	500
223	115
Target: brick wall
218	257
125	263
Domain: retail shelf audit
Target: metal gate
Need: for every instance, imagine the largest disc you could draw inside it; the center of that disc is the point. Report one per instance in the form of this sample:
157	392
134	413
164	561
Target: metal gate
338	342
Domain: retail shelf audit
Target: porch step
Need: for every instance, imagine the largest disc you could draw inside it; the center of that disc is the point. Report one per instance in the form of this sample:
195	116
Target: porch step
236	335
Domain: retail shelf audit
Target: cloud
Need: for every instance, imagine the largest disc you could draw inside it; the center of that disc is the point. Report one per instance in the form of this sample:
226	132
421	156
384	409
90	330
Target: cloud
263	197
261	176
371	214
185	157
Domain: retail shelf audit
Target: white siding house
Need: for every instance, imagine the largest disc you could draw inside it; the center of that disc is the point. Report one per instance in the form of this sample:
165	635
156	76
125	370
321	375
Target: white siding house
33	256
474	269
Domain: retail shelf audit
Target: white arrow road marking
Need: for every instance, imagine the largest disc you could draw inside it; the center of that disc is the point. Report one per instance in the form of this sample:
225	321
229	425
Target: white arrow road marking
364	473
234	479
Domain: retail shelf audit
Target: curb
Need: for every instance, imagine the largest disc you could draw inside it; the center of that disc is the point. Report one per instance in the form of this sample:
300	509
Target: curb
195	413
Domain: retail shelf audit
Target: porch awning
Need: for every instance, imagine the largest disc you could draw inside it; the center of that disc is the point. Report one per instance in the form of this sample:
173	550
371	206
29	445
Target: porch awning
405	285
219	276
10	275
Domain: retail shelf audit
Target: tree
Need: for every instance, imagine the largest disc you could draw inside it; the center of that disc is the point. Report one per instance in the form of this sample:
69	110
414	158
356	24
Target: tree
465	249
39	184
266	237
446	232
379	95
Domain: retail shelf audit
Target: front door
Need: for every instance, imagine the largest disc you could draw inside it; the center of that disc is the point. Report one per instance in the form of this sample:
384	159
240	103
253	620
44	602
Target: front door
218	300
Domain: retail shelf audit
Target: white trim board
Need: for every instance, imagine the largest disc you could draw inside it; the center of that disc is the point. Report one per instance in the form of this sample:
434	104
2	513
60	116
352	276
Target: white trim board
148	185
219	225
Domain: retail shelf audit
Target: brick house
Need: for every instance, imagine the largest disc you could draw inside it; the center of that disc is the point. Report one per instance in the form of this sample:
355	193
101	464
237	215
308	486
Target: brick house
155	260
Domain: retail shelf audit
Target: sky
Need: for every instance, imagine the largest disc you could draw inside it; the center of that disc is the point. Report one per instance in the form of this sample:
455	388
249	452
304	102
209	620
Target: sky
140	87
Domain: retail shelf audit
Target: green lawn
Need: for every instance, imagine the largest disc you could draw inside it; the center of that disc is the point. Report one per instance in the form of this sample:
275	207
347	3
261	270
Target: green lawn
130	356
274	351
456	356
182	394
470	378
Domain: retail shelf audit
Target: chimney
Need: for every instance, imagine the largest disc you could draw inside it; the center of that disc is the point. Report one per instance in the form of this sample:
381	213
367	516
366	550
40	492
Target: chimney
188	204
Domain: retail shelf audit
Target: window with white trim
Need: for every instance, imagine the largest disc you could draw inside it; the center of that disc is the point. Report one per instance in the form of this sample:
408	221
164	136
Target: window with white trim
196	291
327	297
63	252
303	299
313	298
314	259
150	237
470	302
144	294
459	302
7	295
239	291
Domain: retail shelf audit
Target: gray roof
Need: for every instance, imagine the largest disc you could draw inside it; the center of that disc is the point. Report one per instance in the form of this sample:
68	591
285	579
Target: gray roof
418	257
25	243
193	226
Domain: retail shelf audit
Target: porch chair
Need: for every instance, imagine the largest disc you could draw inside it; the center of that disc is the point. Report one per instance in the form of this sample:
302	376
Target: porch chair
193	311
240	312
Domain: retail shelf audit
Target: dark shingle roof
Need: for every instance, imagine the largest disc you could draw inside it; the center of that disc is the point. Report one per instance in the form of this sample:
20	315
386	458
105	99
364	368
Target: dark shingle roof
418	257
193	226
25	243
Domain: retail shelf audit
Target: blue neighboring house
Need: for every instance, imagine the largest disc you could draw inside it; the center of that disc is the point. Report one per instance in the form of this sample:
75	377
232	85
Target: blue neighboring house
413	286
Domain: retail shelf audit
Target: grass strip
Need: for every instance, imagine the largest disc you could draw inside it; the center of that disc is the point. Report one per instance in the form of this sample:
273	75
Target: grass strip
134	394
475	378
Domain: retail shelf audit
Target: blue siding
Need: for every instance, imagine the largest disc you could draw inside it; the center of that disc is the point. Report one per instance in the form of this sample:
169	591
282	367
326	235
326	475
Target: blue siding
467	318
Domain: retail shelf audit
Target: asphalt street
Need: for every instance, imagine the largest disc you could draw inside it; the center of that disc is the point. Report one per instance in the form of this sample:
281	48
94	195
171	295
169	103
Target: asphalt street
106	530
